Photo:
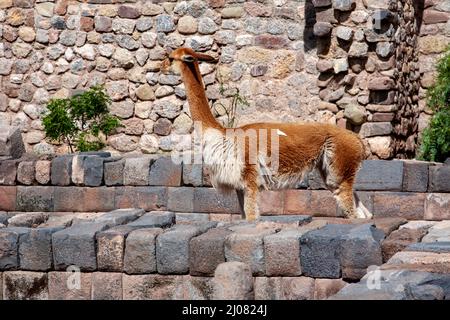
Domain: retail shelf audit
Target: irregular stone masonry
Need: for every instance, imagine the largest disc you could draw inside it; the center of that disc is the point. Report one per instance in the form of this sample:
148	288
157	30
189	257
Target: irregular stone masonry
285	258
326	61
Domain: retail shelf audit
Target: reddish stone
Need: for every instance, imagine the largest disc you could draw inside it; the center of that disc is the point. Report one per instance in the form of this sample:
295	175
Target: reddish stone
270	41
382	117
128	12
406	205
106	286
233	281
25	285
325	288
381	83
434	16
271	202
61	7
86	24
388	224
149	287
284	288
216	3
399	240
437	206
297	201
147	198
257	10
8	198
9	33
323	203
69	285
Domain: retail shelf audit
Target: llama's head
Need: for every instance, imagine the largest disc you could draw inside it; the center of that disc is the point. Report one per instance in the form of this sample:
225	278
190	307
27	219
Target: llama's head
182	56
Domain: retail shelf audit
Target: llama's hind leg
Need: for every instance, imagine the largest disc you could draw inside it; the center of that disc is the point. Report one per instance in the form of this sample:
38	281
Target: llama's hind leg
251	204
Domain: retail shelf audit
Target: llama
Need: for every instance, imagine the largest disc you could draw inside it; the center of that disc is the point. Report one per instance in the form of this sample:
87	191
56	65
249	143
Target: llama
337	153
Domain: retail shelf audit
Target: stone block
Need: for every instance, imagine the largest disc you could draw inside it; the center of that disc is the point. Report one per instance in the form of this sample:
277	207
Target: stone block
361	248
69	285
211	201
324	288
406	205
34	198
436	247
120	216
147	198
106	286
165	172
43	168
191	217
437	206
233	281
288	219
387	225
113	172
140	251
172	247
399	240
415	176
8	197
439	179
193	288
61	170
246	245
87	170
35	249
154	219
29	219
270	202
84	199
380	175
180	199
111	248
282	250
320	251
421	261
136	171
8	172
26	172
149	287
207	251
11	143
193	174
284	288
9	247
25	285
76	246
438	232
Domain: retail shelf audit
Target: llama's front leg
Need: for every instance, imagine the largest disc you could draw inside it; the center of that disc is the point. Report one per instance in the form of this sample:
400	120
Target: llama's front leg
251	204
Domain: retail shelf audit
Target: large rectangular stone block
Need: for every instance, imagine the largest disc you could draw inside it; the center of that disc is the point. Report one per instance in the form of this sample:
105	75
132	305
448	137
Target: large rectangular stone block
233	281
149	287
271	202
212	201
172	247
69	285
154	219
106	286
284	288
437	206
180	199
380	175
35	249
111	248
165	172
8	195
8	172
140	251
113	172
61	171
415	176
9	247
147	198
136	171
320	251
87	170
207	251
193	174
34	198
120	216
246	245
25	285
84	199
406	205
26	172
76	246
439	178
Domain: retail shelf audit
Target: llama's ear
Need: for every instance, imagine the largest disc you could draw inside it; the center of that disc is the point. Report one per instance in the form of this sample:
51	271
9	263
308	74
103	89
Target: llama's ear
187	58
205	57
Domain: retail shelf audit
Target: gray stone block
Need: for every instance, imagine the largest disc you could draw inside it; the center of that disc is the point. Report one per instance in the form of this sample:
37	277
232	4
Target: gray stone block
360	248
180	199
380	175
191	217
207	251
8	172
113	172
120	216
165	172
102	154
76	246
140	251
136	171
61	170
320	251
300	219
11	143
438	247
9	247
439	179
28	220
193	174
4	218
415	176
34	199
155	219
35	249
172	248
212	201
87	170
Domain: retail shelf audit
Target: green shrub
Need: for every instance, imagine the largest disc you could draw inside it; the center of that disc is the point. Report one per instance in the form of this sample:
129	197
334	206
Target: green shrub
80	120
435	144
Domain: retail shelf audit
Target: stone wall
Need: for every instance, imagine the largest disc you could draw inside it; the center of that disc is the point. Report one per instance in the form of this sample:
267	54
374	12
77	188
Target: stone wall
322	60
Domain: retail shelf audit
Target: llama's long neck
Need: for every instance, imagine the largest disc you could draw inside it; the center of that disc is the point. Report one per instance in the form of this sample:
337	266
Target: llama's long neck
195	92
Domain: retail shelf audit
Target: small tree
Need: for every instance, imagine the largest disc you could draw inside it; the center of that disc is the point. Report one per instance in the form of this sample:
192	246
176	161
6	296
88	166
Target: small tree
435	145
80	119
